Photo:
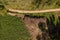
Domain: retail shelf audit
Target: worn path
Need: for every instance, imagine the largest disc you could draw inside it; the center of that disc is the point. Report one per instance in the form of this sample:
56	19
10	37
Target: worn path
34	11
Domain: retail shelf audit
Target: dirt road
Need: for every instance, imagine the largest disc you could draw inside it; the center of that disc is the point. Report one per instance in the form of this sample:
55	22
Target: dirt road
36	11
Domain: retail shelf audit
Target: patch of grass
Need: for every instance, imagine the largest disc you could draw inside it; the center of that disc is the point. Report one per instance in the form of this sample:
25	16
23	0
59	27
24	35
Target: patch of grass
31	4
12	28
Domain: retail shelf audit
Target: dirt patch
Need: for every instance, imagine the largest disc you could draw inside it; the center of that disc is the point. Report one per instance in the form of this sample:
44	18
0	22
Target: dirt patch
32	24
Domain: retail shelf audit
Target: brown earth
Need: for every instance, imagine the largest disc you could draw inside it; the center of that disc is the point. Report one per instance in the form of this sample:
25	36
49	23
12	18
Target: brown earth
33	27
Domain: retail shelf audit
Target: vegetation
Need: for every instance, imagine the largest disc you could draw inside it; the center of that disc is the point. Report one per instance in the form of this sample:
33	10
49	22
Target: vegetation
12	28
31	4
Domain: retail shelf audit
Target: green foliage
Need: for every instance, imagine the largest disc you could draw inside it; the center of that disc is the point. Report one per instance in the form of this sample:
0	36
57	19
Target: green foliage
12	28
45	4
31	4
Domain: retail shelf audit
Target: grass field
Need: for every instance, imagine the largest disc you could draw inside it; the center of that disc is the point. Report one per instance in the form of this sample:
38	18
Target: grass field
12	28
31	4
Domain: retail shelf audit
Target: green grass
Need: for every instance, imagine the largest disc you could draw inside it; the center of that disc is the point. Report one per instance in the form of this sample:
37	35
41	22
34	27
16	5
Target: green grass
31	4
12	28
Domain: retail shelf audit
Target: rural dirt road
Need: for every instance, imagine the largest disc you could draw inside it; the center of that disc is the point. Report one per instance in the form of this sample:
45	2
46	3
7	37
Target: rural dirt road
34	11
